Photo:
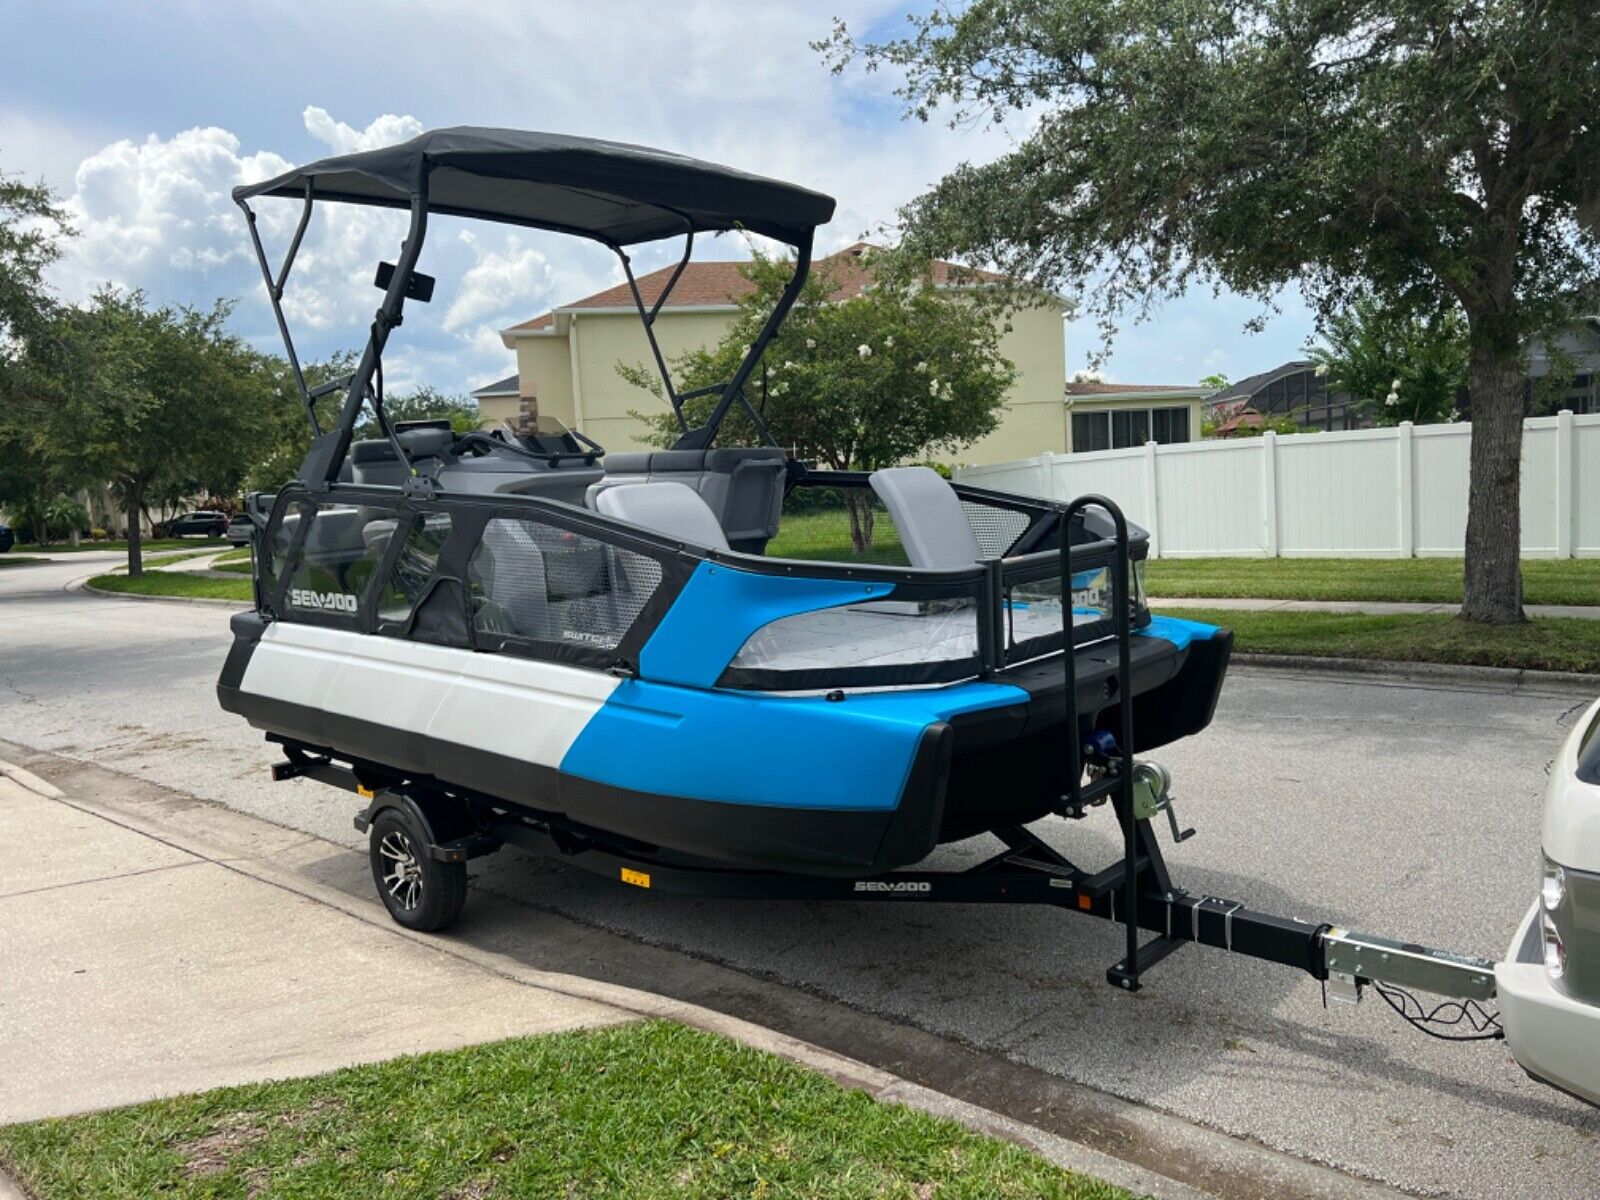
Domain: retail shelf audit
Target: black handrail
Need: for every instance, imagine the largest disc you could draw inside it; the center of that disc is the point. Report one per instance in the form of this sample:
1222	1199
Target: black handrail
1074	798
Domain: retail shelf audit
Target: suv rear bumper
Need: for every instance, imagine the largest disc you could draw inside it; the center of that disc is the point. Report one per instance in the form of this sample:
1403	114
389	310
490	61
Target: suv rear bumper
1554	1038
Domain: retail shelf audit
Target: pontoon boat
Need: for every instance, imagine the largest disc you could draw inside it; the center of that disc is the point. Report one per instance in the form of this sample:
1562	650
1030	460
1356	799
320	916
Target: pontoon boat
516	638
603	639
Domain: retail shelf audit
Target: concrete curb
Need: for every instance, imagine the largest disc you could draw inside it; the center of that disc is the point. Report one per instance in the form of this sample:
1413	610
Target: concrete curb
881	1085
1510	679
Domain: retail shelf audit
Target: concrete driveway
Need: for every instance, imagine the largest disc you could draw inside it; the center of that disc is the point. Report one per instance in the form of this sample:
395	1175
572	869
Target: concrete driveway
1396	808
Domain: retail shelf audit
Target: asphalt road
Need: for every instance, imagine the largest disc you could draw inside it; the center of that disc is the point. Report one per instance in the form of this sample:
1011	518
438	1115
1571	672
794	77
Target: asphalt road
1396	808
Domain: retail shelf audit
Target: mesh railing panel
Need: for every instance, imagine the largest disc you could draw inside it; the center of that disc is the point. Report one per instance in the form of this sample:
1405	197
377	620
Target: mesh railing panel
996	529
532	580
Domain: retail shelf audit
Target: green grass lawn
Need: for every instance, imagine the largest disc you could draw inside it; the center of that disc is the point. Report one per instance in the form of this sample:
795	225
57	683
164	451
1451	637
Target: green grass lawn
826	535
1543	644
1427	580
18	560
637	1112
84	547
233	568
176	583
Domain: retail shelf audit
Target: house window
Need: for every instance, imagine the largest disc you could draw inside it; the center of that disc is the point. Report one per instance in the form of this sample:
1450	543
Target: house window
1130	427
1169	425
1091	431
1120	428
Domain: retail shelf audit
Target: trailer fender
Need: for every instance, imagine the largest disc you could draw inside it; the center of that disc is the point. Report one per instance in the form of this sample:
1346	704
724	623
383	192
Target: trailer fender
447	827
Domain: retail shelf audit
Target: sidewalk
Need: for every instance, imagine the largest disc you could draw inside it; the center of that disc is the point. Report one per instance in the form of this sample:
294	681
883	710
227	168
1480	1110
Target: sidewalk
1376	608
134	967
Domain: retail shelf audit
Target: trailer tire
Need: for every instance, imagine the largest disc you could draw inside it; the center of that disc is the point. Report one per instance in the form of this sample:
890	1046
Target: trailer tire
420	892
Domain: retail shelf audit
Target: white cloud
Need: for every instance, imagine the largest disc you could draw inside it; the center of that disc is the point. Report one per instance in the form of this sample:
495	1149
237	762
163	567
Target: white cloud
154	210
158	214
342	139
501	283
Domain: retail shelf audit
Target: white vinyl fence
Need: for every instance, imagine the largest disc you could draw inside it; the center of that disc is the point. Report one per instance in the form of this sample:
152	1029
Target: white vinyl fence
1391	493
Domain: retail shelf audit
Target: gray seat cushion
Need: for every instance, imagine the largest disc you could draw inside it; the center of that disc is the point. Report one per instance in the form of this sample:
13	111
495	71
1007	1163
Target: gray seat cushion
634	463
670	508
928	516
743	485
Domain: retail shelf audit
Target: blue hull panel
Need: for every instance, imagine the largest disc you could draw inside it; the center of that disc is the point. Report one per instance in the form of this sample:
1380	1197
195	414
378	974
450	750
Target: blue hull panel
754	748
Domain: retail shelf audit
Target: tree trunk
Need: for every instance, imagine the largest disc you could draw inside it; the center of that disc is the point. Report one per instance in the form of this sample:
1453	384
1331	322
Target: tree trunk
1493	586
135	498
859	505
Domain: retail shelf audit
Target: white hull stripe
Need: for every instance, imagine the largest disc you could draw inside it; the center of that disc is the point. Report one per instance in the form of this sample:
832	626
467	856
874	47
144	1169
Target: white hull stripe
516	707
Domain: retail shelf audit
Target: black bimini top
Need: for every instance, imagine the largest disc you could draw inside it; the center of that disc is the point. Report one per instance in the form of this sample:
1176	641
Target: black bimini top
610	191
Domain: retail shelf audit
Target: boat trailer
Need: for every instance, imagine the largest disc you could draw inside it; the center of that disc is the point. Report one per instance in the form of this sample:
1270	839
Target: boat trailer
1027	871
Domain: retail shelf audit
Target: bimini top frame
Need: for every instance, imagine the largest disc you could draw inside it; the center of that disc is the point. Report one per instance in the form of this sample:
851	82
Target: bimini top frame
610	192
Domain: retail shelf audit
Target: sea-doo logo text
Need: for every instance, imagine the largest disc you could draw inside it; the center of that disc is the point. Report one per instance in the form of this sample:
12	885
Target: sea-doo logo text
337	601
874	885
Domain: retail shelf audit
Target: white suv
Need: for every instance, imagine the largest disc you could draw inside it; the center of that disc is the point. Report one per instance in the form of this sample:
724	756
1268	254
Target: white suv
1549	985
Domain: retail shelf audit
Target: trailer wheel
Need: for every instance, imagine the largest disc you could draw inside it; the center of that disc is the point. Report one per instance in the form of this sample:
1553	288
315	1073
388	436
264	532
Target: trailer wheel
420	892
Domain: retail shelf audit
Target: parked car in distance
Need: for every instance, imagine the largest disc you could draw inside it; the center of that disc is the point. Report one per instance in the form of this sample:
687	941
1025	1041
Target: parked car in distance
7	538
200	522
240	529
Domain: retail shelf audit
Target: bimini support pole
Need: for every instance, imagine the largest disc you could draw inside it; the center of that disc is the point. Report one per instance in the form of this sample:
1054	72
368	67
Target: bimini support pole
275	294
701	438
648	317
327	453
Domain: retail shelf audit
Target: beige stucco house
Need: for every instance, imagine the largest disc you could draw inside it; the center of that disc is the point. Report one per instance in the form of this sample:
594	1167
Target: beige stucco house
567	358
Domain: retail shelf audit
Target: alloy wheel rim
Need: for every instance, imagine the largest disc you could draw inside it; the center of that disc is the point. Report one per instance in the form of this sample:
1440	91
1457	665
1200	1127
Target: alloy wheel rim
402	873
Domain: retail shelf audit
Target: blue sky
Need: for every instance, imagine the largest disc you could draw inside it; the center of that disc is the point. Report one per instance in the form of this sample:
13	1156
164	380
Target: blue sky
142	117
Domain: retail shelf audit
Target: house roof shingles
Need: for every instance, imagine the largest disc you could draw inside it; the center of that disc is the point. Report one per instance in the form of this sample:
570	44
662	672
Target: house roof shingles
715	284
500	387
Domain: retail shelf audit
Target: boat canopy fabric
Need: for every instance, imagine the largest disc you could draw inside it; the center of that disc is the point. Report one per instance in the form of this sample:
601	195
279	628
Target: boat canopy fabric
611	191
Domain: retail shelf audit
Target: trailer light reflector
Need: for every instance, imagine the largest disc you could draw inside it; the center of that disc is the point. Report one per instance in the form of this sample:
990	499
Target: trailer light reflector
637	878
364	792
1085	901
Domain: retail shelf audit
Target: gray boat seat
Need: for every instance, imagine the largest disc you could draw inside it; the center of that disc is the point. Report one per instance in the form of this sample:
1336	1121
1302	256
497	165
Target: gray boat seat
674	509
742	484
378	532
927	514
373	461
336	535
